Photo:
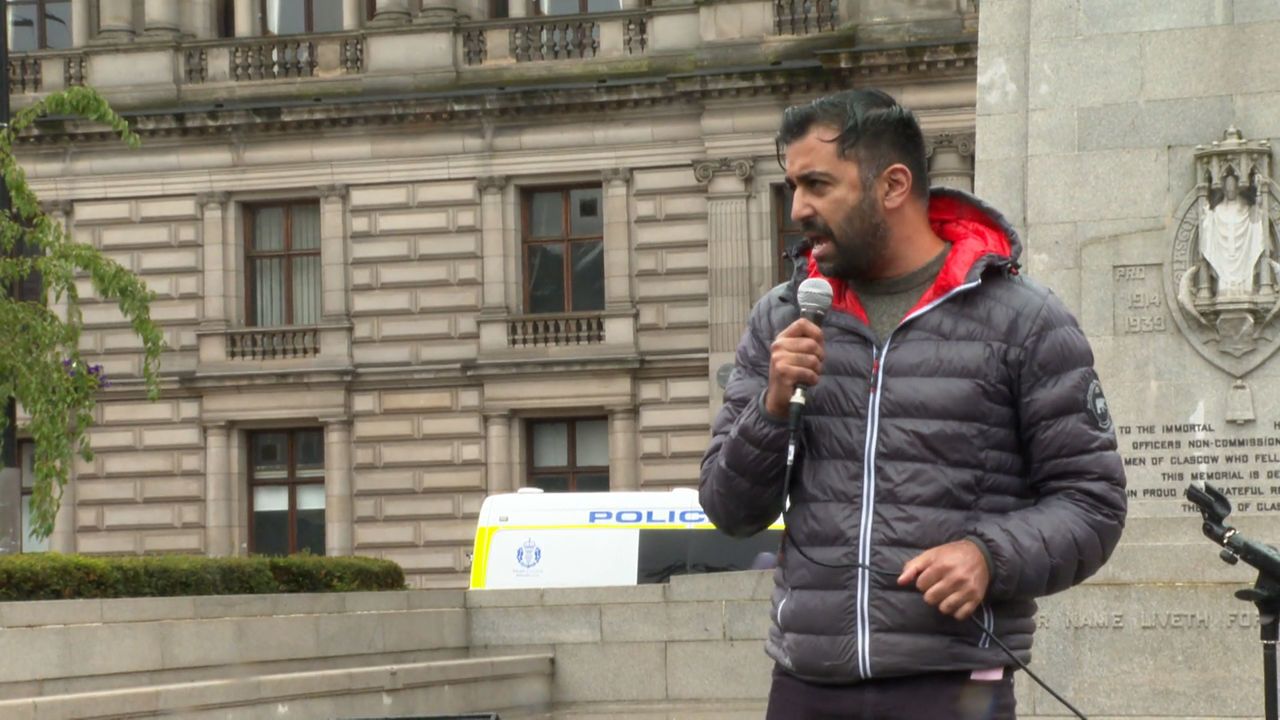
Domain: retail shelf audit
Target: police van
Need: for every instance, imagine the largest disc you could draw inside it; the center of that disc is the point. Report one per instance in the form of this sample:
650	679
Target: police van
532	539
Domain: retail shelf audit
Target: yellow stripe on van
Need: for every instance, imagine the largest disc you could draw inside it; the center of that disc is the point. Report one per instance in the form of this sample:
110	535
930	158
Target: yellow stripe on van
480	558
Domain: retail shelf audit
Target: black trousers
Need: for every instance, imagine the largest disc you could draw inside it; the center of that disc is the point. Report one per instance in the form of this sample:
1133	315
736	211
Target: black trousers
931	696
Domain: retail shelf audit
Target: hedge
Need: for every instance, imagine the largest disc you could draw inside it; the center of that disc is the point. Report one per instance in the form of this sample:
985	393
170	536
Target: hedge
53	576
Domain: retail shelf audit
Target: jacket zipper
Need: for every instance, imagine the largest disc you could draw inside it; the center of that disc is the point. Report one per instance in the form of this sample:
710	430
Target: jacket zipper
869	481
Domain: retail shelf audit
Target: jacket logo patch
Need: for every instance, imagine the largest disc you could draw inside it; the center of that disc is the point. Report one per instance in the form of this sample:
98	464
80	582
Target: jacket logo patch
1095	404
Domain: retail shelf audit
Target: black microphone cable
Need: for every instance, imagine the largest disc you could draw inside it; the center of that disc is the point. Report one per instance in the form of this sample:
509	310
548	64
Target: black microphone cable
786	490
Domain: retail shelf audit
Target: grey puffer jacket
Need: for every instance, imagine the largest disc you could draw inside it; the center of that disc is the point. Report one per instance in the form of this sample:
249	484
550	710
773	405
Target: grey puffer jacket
981	418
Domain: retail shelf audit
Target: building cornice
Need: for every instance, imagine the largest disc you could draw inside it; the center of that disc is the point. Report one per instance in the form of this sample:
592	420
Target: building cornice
828	70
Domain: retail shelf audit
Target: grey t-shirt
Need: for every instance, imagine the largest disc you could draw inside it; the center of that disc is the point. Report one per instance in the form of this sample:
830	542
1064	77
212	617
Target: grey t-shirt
888	300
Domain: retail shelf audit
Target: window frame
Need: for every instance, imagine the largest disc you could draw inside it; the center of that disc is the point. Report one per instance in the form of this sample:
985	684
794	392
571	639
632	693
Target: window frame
582	9
42	34
572	470
291	480
566	239
308	19
288	253
783	226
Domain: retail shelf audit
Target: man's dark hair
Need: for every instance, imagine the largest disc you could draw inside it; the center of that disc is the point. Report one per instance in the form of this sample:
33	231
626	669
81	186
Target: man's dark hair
873	128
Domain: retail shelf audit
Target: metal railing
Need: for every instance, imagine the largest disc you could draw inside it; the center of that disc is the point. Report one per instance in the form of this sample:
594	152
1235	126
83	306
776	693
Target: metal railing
555	330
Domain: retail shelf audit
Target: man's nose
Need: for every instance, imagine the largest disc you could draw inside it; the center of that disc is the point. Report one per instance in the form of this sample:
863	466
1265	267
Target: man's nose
801	208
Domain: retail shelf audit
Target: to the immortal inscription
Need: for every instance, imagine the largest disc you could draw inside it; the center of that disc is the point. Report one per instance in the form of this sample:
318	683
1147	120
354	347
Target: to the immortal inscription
1161	459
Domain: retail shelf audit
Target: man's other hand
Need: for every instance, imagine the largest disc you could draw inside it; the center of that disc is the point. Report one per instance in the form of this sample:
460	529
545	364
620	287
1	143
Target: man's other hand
953	577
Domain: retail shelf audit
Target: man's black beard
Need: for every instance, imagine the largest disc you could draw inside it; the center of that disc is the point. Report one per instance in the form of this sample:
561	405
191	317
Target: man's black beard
859	242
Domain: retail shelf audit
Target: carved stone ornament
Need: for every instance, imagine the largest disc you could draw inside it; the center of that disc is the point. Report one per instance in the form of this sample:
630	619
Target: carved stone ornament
494	183
327	192
1223	271
962	143
619	175
704	170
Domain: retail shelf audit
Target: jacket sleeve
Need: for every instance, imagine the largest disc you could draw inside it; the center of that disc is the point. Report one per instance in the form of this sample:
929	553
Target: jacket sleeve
742	471
1074	471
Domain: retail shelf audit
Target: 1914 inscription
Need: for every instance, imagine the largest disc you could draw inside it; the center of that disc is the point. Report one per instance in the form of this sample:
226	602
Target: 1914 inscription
1140	305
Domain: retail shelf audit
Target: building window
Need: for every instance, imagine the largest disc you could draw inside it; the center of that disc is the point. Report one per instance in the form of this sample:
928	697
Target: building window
39	25
27	466
283	268
286	499
499	9
570	455
564	250
787	231
574	7
292	17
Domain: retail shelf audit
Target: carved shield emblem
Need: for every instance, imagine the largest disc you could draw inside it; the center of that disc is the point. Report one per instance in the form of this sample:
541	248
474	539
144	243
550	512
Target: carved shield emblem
1223	278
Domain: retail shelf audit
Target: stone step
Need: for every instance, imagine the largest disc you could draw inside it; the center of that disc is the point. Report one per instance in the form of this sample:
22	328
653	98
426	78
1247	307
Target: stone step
517	686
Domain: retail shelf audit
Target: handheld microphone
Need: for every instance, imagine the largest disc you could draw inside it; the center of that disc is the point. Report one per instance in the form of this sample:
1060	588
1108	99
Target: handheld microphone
814	298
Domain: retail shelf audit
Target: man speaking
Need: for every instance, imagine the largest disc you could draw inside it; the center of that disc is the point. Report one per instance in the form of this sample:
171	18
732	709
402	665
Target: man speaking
956	458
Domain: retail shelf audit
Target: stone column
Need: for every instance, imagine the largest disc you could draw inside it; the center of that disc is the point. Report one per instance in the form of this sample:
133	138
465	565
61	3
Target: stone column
497	455
339	528
197	19
246	13
617	240
623	459
115	20
219	496
79	23
494	297
63	539
216	296
518	8
438	11
352	14
391	12
162	18
333	252
951	161
630	4
728	257
728	254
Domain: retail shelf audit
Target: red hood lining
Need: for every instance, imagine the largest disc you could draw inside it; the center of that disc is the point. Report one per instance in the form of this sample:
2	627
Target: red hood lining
973	235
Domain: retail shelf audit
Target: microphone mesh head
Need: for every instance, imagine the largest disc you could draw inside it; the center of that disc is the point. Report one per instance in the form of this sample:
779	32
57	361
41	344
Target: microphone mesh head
814	296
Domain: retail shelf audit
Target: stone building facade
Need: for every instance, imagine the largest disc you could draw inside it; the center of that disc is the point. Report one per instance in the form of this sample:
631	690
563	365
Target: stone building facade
436	250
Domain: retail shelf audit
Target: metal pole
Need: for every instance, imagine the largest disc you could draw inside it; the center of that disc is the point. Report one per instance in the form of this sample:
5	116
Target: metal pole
1270	630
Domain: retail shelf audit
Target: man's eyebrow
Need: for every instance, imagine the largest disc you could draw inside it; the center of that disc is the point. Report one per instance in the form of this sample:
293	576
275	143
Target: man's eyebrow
811	175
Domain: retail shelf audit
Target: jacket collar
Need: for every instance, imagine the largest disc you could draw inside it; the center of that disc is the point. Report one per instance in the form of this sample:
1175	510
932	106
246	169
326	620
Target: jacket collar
981	239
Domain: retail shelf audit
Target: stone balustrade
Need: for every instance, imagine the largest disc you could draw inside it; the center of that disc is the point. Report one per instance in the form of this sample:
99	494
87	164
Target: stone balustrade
555	330
131	73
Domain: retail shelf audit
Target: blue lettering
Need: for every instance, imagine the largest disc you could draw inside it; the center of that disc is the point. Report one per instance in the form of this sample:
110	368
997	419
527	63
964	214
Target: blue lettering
597	515
652	518
692	516
629	516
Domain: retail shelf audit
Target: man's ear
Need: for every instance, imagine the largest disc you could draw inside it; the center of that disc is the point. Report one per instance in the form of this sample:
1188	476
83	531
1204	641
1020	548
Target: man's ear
895	186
